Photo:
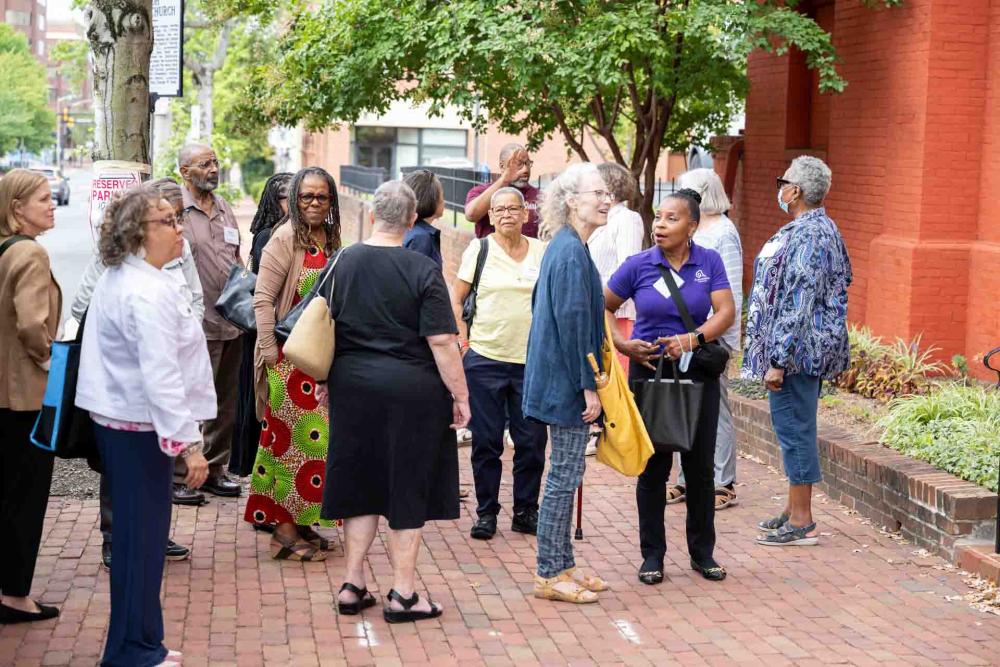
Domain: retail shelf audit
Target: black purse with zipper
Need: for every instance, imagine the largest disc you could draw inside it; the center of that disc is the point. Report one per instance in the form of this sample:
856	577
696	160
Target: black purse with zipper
710	358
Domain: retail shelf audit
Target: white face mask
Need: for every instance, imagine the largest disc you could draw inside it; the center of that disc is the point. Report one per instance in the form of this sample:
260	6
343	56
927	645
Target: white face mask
781	202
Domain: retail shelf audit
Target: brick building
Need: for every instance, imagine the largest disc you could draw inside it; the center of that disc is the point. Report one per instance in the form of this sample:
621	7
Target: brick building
914	145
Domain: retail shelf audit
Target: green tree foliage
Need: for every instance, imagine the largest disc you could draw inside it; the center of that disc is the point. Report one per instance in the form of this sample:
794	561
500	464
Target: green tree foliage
71	58
25	117
641	74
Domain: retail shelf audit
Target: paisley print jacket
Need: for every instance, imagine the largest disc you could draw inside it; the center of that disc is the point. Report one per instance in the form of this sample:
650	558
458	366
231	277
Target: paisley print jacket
797	313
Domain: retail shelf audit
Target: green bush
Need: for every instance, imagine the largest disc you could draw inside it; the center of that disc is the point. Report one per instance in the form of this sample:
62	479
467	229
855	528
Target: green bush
955	428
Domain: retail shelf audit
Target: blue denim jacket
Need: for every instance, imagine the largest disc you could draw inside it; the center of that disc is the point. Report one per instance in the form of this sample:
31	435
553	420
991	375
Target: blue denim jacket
567	322
797	313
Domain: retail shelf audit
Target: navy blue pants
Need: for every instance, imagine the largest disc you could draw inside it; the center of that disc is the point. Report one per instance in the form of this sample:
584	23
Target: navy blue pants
140	476
495	392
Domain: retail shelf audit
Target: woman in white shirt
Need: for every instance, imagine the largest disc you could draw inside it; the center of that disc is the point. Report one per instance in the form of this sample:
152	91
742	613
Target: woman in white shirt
146	379
716	231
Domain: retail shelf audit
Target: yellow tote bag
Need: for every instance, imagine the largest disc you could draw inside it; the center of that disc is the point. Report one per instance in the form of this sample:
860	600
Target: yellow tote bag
624	443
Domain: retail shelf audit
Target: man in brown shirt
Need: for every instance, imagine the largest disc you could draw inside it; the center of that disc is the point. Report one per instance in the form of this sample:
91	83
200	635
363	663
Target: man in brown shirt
210	227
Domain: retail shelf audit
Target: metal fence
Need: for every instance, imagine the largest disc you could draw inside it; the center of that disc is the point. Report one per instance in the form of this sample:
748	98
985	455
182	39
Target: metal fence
362	179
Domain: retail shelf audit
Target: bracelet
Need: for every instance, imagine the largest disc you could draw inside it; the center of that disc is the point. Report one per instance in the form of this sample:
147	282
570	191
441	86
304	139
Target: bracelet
192	449
463	345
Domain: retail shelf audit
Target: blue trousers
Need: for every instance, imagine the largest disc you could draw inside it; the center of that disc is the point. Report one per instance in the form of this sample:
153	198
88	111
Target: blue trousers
793	416
140	476
555	520
496	389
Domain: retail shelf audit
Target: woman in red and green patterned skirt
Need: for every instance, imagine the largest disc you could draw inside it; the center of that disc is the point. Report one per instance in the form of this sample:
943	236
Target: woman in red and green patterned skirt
290	468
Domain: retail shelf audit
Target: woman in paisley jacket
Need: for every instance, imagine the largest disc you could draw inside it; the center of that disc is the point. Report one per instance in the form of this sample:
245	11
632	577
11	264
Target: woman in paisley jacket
797	335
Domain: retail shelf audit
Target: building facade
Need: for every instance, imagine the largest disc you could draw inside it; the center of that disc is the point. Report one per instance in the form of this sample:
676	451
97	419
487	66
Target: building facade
914	145
28	17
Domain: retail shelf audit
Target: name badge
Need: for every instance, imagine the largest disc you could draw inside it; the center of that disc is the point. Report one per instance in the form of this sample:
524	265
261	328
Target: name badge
770	248
530	273
231	235
661	285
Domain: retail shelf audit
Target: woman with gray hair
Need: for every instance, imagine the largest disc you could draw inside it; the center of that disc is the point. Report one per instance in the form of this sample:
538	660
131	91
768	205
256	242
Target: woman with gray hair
796	336
146	380
397	393
717	232
559	388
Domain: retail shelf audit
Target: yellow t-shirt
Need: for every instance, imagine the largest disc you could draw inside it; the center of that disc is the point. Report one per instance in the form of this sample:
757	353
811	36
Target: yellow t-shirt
503	305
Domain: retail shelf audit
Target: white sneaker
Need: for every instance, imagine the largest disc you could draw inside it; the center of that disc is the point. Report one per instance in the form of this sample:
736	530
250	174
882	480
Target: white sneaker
508	441
591	446
464	437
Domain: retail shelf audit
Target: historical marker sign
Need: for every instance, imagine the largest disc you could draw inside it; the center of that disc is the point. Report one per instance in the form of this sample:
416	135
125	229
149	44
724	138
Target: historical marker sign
167	60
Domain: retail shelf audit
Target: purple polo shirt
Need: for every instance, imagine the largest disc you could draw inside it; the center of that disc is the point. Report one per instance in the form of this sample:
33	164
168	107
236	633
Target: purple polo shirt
639	279
530	228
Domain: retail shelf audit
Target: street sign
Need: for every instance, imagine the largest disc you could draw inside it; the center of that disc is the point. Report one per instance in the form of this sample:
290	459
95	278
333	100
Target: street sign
166	63
111	177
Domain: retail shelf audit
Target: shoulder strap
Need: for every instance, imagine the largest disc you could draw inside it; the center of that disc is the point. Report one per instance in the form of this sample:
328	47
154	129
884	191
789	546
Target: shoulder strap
668	277
484	249
11	241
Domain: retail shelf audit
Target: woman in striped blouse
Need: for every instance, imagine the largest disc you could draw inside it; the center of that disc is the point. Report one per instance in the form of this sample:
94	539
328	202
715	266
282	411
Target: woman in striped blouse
716	231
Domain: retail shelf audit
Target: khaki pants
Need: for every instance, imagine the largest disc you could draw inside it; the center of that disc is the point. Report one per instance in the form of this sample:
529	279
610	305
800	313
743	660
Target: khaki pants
225	356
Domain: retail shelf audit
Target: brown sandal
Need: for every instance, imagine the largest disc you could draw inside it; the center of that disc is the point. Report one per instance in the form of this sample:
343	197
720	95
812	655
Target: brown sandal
724	497
676	494
312	537
290	548
562	588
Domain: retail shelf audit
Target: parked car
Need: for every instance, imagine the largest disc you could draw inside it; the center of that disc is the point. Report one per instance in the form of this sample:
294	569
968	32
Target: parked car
58	183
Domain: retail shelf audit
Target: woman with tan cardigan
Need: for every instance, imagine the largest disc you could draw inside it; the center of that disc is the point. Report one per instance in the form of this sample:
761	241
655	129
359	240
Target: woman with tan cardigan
30	303
290	468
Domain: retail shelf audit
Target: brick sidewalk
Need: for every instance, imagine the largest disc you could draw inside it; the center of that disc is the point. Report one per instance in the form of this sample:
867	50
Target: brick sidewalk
861	597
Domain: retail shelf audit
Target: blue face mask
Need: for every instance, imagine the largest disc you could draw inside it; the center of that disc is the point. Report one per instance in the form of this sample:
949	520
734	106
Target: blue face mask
781	203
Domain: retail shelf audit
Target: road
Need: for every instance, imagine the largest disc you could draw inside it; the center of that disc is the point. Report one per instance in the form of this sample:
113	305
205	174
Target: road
70	244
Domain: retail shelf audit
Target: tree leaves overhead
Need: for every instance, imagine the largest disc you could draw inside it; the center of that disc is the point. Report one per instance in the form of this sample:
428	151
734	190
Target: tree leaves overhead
25	117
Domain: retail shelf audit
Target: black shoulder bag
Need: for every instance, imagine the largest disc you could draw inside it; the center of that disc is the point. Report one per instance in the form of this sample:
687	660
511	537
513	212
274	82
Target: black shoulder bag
11	241
469	306
711	358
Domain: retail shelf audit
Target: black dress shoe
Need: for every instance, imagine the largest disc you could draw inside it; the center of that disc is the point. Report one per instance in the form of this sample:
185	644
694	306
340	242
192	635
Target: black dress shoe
525	521
176	551
710	570
185	496
9	615
106	555
220	486
651	572
485	527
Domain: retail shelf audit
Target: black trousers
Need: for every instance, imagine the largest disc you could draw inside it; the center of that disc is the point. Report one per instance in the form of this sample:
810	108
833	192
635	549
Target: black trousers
699	475
496	389
25	476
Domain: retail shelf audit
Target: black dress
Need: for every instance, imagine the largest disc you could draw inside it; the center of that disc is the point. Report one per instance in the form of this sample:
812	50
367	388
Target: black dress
392	451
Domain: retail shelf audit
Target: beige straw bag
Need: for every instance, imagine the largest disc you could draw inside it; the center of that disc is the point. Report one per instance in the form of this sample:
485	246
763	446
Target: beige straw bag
310	345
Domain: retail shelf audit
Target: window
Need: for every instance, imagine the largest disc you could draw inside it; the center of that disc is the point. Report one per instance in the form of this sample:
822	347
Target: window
17	18
41	23
393	148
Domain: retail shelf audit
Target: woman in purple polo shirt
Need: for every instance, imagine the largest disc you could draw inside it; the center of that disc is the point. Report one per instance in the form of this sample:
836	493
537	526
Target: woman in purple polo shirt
701	277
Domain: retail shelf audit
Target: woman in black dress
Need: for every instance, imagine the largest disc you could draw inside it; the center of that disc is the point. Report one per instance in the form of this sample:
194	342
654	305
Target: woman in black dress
397	392
271	210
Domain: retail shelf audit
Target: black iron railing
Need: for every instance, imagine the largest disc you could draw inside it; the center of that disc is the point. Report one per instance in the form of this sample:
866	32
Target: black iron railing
362	179
995	369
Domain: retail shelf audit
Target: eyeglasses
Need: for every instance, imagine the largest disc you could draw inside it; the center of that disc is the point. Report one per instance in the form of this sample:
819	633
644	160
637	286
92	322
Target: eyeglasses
206	164
600	194
525	163
308	198
504	210
782	183
172	221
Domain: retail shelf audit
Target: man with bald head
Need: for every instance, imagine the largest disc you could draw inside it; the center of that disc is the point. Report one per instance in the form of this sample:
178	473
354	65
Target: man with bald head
210	227
515	172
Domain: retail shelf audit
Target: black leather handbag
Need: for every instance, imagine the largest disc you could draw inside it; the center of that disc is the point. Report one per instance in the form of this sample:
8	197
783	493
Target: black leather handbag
469	305
669	408
235	303
710	358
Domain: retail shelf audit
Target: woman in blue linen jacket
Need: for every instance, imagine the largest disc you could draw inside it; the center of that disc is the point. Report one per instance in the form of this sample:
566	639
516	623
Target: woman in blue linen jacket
559	389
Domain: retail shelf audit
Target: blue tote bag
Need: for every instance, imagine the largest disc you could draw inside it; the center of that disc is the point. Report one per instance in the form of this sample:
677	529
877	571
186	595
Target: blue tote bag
61	427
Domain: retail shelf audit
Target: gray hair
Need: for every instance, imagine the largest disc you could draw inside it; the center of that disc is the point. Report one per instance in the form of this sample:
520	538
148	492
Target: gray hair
507	191
186	155
394	204
812	176
508	149
707	184
555	209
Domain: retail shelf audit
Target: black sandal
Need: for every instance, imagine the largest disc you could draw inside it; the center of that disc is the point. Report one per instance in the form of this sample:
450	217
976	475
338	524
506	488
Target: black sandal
651	572
407	614
365	600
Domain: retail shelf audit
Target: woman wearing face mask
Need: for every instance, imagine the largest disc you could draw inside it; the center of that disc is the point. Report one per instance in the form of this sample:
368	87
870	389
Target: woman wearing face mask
559	389
290	468
30	303
797	336
272	209
701	280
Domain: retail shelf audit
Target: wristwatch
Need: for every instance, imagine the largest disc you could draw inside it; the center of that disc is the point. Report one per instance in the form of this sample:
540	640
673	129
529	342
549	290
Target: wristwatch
701	338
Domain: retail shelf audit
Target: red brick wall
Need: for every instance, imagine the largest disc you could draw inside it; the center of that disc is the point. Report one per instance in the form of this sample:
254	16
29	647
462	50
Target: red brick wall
913	173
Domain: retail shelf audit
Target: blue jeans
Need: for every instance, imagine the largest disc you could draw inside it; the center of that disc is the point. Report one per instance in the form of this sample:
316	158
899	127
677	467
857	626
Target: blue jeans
495	391
567	462
793	416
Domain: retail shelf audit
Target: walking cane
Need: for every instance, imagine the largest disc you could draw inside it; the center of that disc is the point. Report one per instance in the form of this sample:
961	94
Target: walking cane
579	512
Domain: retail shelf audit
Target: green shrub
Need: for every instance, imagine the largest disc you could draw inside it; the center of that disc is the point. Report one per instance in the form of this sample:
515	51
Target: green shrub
955	428
884	372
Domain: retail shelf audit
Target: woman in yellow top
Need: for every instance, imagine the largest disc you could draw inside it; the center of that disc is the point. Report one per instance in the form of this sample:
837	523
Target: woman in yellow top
494	346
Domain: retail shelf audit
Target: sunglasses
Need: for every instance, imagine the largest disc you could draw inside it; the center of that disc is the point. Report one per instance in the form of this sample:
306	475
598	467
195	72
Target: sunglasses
782	183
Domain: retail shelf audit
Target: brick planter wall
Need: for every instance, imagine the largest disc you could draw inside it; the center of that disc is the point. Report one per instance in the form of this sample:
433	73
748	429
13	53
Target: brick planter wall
932	508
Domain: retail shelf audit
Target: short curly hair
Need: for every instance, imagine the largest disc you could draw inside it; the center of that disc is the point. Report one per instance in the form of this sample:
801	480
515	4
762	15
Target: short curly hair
122	229
813	177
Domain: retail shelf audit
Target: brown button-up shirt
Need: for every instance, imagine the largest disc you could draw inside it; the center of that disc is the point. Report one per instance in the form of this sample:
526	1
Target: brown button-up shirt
215	251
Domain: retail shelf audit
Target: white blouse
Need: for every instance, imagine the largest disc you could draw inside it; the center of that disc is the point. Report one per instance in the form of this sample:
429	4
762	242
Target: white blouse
615	242
144	357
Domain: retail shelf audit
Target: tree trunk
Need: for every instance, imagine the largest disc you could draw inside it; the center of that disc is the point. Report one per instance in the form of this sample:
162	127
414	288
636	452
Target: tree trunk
121	40
203	78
